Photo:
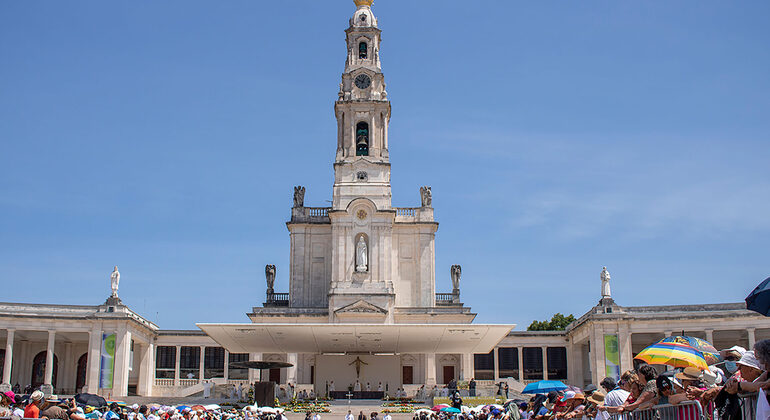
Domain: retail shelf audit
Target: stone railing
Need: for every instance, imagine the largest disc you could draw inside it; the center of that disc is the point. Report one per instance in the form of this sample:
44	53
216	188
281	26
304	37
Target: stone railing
184	383
164	382
277	299
414	214
310	215
444	298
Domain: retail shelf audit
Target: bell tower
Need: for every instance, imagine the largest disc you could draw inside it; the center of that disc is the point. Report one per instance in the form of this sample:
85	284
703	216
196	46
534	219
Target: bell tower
362	164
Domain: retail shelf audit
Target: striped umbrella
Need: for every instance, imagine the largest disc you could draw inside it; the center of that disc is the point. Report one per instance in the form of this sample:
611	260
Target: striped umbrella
673	354
710	353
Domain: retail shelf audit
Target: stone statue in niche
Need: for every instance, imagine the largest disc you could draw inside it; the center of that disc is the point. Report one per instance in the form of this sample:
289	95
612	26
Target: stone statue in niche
115	282
270	277
362	260
426	196
456	271
605	275
299	196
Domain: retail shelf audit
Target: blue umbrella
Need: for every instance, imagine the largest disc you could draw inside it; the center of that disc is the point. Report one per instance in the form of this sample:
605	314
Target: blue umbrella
759	298
450	410
544	387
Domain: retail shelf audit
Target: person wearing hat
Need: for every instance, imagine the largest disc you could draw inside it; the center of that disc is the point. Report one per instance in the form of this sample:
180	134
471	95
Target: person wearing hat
32	410
6	399
51	409
745	380
113	413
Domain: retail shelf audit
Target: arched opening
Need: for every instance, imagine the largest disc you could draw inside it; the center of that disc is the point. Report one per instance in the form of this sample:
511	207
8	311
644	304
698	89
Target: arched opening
38	370
362	139
362	49
80	380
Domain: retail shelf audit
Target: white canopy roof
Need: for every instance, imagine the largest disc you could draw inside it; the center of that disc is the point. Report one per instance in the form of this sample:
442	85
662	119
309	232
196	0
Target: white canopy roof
357	338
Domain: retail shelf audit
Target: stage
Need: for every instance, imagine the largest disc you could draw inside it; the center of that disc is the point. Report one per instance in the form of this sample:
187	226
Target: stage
357	395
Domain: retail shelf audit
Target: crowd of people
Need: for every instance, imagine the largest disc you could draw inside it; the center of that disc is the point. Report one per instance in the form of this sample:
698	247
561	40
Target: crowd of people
718	390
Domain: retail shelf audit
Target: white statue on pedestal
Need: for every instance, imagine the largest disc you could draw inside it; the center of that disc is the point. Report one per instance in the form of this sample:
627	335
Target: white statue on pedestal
362	262
605	283
114	282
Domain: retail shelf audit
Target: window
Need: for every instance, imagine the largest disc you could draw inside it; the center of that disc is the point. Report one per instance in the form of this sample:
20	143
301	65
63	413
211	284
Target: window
165	361
557	362
362	49
362	139
214	363
189	362
508	362
533	362
484	366
238	373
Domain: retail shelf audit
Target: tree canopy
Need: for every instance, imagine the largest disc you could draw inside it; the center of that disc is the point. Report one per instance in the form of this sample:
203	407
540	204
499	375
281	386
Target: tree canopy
557	323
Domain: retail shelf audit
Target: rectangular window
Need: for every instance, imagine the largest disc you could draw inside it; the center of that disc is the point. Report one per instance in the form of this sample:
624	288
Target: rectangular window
190	362
214	363
165	361
533	362
240	374
484	366
508	362
557	363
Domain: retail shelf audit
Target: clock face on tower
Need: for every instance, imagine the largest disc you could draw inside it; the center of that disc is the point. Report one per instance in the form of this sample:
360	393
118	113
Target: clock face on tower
363	81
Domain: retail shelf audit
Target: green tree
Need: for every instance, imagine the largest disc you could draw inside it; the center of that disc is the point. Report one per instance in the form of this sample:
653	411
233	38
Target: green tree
558	322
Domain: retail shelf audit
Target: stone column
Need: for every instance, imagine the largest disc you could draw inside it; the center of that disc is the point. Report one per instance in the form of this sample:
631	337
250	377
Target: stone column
430	369
545	362
626	348
177	364
710	335
147	371
466	370
291	373
122	362
521	364
202	365
227	366
94	359
752	338
496	367
8	362
255	374
597	354
48	378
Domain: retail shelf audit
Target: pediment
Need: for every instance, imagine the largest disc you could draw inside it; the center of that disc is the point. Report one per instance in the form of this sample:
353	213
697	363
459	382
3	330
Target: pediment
361	306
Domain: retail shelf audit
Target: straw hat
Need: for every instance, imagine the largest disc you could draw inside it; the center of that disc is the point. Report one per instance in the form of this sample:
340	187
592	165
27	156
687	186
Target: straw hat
689	374
597	397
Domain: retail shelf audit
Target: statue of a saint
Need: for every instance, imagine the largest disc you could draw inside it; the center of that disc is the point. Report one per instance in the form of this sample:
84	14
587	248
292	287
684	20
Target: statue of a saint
115	281
605	283
456	271
362	261
270	277
426	196
299	196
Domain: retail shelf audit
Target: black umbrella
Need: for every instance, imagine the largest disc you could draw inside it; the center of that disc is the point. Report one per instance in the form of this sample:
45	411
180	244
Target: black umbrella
258	364
759	298
90	399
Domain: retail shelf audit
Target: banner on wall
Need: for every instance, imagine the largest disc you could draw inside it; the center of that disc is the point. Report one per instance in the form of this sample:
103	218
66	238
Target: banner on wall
107	366
611	356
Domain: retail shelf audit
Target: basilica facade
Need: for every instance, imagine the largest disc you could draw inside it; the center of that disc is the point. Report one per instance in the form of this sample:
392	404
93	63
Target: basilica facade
361	305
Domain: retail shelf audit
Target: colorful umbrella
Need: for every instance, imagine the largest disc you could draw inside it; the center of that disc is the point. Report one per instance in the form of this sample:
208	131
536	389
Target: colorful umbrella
673	354
450	410
543	387
710	353
439	407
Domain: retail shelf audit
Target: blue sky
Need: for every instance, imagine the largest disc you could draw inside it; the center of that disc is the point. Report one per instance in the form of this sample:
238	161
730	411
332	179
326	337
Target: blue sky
558	137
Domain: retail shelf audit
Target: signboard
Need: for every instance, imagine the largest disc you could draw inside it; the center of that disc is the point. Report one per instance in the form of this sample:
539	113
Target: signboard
107	365
611	356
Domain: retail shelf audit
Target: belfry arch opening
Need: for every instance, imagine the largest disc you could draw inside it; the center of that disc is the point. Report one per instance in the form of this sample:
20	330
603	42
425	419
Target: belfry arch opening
362	49
362	139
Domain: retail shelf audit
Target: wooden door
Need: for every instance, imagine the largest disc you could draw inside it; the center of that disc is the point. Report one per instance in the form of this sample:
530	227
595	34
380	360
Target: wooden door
449	374
407	375
275	375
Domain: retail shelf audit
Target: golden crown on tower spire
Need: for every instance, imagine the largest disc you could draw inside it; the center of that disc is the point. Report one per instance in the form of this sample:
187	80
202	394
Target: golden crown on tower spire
360	3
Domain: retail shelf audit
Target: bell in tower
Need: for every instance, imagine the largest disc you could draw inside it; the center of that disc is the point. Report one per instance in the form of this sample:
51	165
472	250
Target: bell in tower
362	139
